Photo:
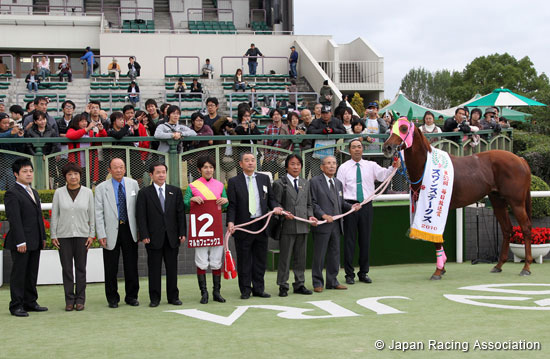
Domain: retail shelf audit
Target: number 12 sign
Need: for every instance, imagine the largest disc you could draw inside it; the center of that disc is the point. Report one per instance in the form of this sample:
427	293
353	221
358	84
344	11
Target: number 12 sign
205	225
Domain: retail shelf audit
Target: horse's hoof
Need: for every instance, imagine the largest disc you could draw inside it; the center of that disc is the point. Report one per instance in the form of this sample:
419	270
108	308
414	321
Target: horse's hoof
524	273
435	277
443	271
496	270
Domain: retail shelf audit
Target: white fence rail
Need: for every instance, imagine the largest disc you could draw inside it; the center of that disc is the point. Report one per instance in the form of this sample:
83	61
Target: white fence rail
353	71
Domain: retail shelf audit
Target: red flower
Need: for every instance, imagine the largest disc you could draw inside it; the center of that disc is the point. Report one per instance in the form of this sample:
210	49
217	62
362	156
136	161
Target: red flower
538	235
47	224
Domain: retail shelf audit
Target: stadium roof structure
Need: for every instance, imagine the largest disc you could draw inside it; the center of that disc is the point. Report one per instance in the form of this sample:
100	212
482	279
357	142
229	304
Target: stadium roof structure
402	105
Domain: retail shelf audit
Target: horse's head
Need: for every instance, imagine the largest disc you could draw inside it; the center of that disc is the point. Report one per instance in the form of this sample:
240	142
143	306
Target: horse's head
401	137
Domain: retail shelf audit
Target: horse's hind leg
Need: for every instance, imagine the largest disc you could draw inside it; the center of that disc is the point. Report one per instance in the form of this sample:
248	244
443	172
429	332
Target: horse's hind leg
500	208
525	224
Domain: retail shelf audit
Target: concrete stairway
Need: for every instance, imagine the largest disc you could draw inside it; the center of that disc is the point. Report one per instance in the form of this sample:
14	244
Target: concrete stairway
162	15
110	10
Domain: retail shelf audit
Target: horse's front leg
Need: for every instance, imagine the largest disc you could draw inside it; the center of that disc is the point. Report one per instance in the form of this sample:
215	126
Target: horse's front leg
441	259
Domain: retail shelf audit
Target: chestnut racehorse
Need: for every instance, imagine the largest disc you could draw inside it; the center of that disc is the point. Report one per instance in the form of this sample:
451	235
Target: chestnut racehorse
501	175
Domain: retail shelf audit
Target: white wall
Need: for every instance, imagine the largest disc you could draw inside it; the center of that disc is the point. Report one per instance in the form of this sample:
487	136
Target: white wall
204	46
16	9
241	9
51	37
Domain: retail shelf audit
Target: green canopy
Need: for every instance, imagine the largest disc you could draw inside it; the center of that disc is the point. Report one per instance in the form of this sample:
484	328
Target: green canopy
511	115
403	106
504	97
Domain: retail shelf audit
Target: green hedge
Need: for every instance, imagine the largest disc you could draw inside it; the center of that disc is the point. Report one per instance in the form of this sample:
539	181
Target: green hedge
535	148
540	206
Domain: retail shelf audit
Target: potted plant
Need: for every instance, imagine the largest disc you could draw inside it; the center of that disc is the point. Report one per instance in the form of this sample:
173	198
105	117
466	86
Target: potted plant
50	271
540	243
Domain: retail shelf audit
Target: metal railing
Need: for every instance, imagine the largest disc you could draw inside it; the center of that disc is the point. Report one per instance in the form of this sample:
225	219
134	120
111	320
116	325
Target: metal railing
59	98
138	12
44	179
257	10
272	96
352	71
256	57
41	9
216	10
178	63
122	67
190	96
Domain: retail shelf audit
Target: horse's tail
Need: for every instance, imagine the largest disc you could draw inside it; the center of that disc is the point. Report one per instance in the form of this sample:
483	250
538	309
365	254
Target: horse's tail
528	204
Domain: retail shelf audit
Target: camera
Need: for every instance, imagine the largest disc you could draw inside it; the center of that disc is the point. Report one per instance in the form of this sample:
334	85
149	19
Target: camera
229	124
302	128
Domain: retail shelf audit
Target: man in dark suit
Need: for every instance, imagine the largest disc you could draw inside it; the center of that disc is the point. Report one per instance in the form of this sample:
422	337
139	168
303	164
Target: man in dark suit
25	239
291	192
327	200
161	224
250	197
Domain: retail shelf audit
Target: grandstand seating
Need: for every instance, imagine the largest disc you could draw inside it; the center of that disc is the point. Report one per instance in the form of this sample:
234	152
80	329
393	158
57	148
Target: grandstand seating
109	85
95	76
212	27
52	85
4	85
138	26
260	28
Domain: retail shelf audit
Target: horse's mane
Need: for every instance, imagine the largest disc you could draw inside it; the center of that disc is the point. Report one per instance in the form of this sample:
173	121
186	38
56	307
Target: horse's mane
424	143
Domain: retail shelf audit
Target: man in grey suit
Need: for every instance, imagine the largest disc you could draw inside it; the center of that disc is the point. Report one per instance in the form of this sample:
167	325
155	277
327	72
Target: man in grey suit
327	200
115	217
292	194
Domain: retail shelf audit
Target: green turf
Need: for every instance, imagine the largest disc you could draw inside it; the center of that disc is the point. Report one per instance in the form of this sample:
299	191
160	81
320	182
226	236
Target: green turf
143	332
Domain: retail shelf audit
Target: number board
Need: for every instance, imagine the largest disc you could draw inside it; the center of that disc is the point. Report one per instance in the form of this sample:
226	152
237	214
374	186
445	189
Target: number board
205	225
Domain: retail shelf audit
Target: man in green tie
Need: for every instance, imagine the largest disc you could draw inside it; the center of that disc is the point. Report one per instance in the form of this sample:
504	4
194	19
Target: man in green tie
358	176
250	197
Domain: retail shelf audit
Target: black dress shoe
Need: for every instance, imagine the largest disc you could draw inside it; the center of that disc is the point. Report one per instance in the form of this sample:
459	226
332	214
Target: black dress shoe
113	305
20	312
262	295
350	280
36	308
154	304
365	279
303	290
245	296
283	292
175	302
132	302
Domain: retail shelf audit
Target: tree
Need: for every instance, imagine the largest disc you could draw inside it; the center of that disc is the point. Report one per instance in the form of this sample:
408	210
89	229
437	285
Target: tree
427	88
358	104
415	85
384	102
486	73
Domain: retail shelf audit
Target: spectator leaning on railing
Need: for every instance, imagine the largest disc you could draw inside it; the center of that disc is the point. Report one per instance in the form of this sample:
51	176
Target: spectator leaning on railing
457	123
252	53
41	129
273	159
8	129
429	126
40	104
172	130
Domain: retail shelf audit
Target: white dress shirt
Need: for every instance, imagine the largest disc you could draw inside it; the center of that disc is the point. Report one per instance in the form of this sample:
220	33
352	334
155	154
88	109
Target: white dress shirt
163	189
370	171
